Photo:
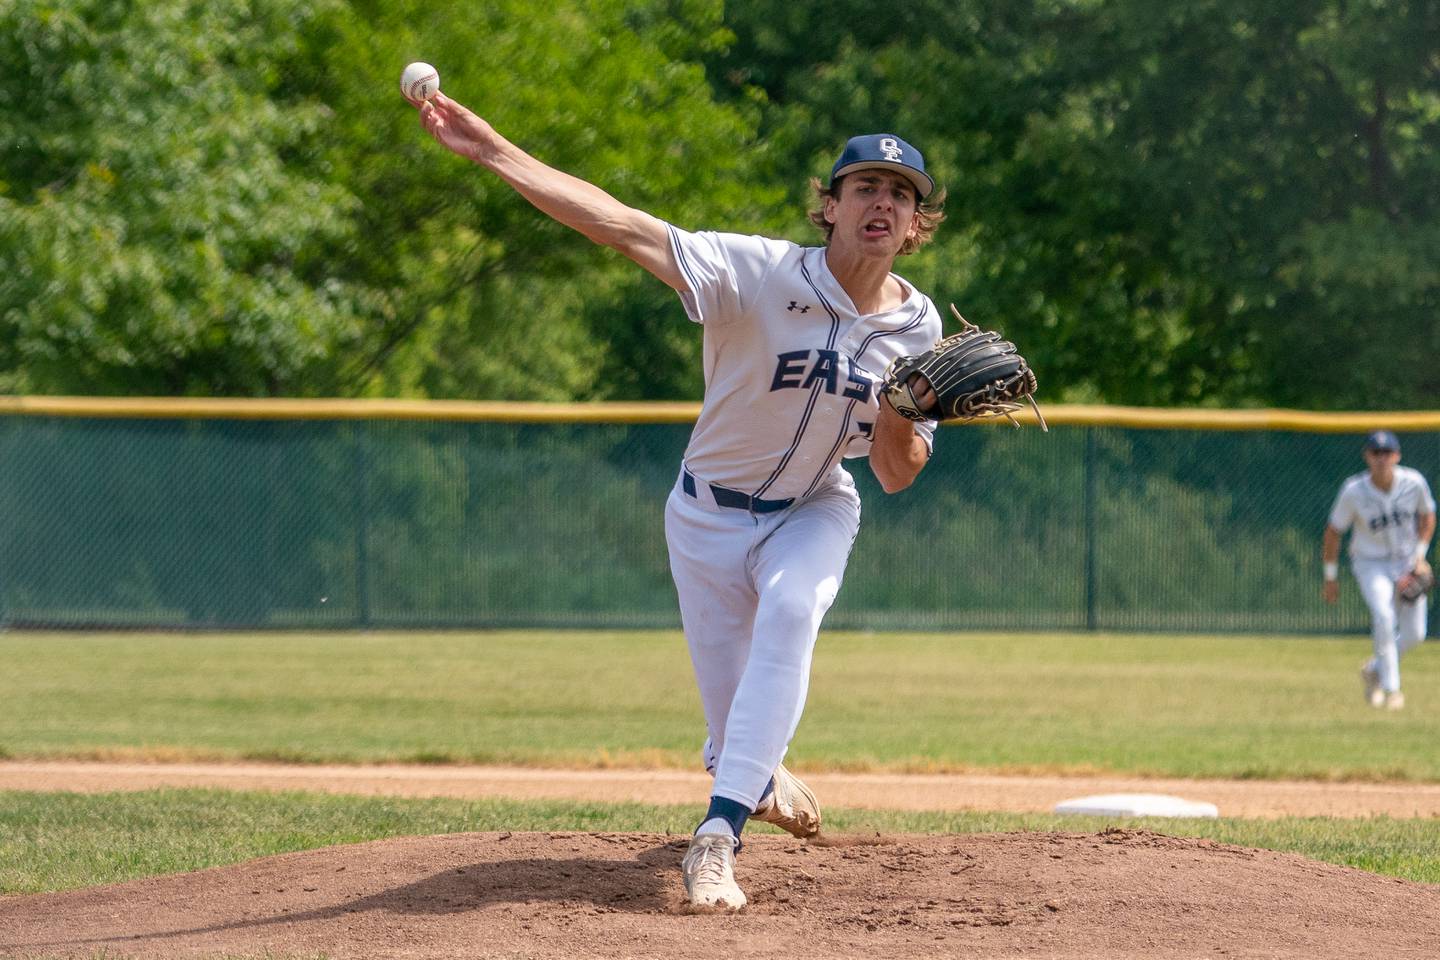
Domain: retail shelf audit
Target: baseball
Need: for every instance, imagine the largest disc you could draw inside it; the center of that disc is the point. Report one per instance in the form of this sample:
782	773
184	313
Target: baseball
419	82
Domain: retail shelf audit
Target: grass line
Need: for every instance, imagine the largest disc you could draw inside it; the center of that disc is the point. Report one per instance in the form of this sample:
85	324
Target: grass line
1258	707
59	841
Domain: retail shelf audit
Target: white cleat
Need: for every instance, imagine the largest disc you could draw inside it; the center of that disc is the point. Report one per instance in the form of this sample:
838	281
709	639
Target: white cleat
791	806
1394	700
1370	677
709	869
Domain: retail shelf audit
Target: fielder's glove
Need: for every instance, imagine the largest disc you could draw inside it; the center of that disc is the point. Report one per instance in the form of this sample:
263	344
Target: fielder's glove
1416	584
973	374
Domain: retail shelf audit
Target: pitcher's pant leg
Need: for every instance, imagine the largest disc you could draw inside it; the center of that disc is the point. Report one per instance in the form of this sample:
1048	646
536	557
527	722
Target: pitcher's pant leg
797	572
708	560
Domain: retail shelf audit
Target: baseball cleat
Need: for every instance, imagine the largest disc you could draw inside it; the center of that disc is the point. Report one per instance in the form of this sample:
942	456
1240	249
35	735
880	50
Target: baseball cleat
791	806
1370	677
709	869
1394	700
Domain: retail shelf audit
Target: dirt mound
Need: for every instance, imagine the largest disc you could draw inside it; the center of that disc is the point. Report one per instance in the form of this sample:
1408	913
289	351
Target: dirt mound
1057	895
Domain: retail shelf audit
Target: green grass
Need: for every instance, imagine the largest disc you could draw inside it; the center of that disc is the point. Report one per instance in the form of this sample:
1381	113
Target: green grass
1174	705
57	841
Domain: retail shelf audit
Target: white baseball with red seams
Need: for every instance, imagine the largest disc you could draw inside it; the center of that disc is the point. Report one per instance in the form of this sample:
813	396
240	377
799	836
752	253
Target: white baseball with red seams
419	82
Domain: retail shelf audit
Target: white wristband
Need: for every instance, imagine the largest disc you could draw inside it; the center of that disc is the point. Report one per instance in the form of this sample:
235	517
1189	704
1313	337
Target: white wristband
1422	548
1332	571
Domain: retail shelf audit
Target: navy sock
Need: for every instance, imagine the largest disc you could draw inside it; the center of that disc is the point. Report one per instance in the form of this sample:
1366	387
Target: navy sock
769	789
732	812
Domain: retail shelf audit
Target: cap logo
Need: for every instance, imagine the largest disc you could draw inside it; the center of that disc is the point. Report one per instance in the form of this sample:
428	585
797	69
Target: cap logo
884	150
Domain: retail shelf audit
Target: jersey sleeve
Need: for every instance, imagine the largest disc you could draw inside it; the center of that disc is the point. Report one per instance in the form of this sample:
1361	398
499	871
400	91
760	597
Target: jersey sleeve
1342	512
926	432
1427	499
723	271
859	445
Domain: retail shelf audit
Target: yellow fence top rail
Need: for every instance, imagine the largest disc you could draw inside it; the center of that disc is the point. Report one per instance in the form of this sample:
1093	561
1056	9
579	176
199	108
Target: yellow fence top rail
230	408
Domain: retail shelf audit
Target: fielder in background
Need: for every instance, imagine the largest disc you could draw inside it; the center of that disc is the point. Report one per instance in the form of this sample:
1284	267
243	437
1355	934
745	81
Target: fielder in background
1390	514
762	516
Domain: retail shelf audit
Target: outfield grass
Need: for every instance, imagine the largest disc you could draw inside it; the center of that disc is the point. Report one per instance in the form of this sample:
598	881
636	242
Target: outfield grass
1169	705
58	841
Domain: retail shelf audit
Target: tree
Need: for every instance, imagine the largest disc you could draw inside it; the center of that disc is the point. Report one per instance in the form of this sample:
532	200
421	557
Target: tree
1207	203
483	296
232	198
155	239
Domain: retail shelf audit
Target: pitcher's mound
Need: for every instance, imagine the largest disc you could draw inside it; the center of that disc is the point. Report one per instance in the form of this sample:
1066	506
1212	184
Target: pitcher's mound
1115	894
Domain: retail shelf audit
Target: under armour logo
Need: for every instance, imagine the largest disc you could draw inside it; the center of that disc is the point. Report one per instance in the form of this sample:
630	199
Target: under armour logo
891	148
795	306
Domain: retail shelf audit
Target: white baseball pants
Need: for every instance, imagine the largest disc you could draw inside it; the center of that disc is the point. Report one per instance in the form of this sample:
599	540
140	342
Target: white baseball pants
1395	627
753	589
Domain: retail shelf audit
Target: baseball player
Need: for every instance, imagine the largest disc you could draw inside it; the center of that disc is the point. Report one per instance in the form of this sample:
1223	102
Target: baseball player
762	516
1390	514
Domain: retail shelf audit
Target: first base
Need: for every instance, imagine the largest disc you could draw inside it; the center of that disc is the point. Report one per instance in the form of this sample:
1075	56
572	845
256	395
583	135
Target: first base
1137	805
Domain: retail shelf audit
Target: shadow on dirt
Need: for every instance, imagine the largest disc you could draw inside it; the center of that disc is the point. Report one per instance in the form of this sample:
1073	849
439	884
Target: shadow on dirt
636	885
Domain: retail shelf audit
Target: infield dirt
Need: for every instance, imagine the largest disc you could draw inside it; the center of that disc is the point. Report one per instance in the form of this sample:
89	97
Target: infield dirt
1116	894
1120	894
887	791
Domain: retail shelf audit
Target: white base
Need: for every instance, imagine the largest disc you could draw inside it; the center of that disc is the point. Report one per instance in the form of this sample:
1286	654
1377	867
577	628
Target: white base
1137	805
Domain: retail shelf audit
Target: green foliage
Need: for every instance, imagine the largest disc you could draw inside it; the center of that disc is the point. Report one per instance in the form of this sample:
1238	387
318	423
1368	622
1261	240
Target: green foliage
485	297
1219	147
157	238
1207	204
233	199
1201	205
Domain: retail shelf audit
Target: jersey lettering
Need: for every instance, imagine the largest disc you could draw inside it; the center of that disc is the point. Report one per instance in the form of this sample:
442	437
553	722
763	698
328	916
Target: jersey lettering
790	365
824	369
1395	517
778	418
791	371
857	384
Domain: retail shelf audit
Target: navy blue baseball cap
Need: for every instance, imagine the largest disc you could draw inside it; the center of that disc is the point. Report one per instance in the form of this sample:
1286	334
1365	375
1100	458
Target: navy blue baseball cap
1382	440
884	151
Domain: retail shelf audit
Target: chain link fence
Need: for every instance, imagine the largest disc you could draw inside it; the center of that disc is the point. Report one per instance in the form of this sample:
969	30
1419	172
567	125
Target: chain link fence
199	522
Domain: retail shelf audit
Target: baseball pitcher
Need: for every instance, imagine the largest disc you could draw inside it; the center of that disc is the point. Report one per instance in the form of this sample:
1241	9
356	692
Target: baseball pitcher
797	341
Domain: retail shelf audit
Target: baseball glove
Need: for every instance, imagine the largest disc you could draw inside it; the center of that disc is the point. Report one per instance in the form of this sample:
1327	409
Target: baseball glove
972	374
1416	584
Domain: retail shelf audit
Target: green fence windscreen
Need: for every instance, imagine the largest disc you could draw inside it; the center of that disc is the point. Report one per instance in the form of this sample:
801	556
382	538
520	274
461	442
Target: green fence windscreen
194	523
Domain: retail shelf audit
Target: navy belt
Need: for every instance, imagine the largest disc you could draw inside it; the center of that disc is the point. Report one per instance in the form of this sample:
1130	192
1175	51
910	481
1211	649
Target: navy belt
726	497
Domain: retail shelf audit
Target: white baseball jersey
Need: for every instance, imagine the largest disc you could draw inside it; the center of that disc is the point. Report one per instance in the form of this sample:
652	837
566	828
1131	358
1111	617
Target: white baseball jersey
791	367
1382	525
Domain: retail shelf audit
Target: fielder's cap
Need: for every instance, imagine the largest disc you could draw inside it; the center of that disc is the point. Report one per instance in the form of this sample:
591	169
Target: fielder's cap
1382	440
884	151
